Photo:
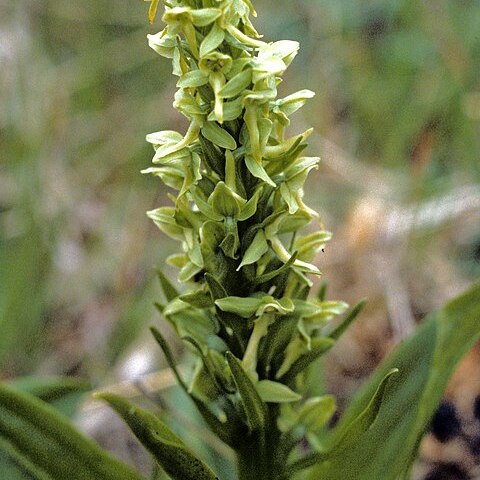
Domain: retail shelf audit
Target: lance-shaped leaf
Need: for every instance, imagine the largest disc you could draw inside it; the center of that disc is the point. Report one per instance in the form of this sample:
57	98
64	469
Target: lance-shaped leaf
275	392
266	277
169	291
167	449
211	154
216	288
221	430
63	393
50	389
425	361
205	16
237	84
257	170
214	38
255	408
168	356
353	434
218	136
192	79
256	250
199	298
45	443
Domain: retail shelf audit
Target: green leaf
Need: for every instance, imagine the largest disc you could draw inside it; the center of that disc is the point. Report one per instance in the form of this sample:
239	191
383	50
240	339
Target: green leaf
279	335
49	389
243	306
236	85
426	361
205	16
160	339
218	136
194	78
353	432
63	393
216	289
257	170
170	292
199	299
255	408
48	446
250	208
212	155
316	412
256	250
322	292
221	430
167	449
274	273
214	38
275	392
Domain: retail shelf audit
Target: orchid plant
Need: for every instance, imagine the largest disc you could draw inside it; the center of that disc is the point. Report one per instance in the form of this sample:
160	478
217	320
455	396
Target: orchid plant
248	246
239	215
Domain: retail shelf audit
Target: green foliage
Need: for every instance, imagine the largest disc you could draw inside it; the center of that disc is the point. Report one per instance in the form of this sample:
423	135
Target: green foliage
48	446
167	449
64	394
425	363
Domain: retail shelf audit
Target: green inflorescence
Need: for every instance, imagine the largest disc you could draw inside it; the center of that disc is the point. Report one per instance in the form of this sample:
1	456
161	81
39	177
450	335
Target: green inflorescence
237	212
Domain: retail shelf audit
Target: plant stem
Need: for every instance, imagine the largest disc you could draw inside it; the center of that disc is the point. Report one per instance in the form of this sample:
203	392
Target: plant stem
257	454
252	461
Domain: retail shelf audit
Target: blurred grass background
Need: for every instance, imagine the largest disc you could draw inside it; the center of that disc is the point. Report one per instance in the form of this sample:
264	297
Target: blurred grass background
397	119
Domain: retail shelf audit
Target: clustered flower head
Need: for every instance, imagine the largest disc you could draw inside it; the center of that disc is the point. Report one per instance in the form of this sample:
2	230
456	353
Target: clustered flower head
238	213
